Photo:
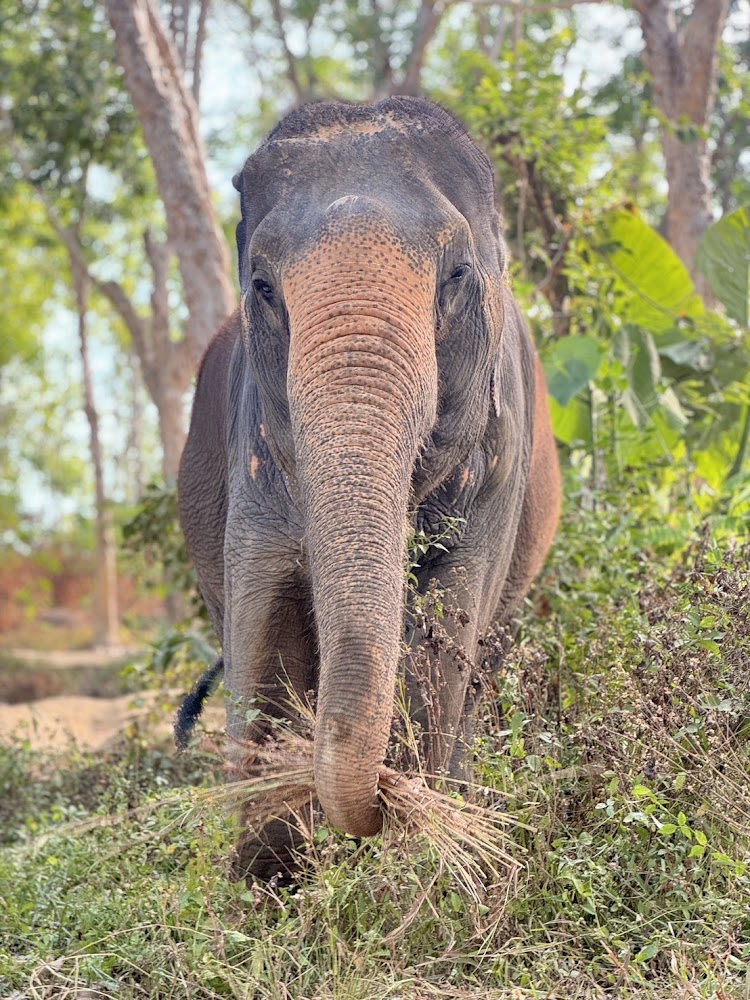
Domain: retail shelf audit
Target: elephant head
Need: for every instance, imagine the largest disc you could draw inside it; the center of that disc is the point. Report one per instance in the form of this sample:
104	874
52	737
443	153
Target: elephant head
372	278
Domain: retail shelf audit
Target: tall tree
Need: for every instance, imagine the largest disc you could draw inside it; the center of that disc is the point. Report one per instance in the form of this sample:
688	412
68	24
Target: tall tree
106	630
169	117
381	48
681	54
68	110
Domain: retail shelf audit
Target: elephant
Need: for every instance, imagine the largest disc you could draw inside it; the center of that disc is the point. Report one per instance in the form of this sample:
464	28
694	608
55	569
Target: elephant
378	378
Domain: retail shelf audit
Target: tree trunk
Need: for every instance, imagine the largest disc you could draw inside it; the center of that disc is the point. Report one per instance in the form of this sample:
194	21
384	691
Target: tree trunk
428	19
134	488
106	626
197	62
689	205
169	397
169	118
166	364
683	63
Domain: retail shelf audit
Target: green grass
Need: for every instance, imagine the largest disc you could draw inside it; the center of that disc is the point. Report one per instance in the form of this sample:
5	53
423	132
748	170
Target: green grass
619	731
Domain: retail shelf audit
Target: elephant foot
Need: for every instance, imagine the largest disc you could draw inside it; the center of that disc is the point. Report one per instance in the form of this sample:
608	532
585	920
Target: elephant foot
271	855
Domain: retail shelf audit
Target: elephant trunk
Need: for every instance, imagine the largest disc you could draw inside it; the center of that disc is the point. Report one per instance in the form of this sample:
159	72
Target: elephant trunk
362	385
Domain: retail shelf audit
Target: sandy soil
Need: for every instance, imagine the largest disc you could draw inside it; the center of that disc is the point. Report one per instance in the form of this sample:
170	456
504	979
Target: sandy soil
51	723
54	722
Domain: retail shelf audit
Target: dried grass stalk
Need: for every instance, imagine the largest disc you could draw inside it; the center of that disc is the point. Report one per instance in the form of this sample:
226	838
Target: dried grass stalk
275	779
470	840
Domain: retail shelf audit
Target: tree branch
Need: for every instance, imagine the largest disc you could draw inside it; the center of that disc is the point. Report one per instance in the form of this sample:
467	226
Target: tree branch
384	70
159	255
661	51
123	306
497	42
200	38
535	8
428	19
169	118
165	352
700	51
291	62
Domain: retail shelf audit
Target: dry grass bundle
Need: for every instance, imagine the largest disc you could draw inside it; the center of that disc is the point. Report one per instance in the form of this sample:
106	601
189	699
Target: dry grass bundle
469	839
276	781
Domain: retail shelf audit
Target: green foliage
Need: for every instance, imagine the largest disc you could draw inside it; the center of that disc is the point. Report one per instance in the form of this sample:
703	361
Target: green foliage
571	364
69	106
75	144
641	375
544	142
153	539
29	266
653	379
724	258
634	168
420	544
154	533
29	275
372	45
730	125
656	289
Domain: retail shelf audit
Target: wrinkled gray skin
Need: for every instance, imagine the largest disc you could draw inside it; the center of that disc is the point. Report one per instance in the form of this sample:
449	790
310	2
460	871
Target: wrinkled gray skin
378	365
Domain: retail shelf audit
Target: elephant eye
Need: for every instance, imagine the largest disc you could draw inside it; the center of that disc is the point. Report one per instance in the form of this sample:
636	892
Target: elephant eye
263	289
459	272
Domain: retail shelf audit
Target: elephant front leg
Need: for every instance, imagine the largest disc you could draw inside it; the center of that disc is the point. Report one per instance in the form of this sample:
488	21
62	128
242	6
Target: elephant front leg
270	653
442	641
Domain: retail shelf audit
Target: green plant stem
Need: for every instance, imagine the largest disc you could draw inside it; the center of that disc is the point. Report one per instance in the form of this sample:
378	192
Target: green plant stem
594	446
739	459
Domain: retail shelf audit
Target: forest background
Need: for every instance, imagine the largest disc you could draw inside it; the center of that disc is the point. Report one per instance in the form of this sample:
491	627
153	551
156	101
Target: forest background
619	133
603	121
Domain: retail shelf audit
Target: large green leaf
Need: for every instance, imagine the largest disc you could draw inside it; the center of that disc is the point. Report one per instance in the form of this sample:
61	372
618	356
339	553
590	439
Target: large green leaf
656	289
646	367
724	257
571	424
570	365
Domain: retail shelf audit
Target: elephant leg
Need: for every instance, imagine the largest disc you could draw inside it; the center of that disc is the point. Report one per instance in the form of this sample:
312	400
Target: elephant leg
467	582
271	652
437	696
270	658
270	853
439	674
460	767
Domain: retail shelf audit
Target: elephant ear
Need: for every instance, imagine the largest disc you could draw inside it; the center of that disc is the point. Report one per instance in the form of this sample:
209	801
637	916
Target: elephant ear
494	392
493	249
241	231
497	305
497	227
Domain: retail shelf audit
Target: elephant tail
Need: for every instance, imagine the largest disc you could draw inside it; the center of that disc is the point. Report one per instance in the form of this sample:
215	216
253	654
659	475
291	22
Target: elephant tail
192	706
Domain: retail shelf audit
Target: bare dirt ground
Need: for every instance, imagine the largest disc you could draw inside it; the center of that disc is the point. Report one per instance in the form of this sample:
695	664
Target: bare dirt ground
53	723
91	723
